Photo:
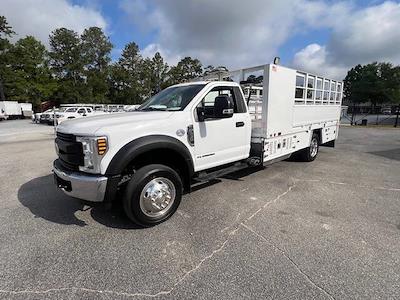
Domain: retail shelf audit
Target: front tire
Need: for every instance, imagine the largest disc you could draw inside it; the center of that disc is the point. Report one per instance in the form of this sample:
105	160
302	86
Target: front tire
152	195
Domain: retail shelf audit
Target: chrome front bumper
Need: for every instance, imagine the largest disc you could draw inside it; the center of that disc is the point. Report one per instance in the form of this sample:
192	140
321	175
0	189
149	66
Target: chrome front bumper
79	185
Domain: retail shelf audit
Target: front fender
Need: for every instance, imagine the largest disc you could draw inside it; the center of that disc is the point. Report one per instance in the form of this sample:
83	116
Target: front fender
144	144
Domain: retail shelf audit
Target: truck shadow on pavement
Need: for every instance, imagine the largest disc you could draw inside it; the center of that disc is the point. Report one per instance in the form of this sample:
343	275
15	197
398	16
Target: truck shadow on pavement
46	201
391	154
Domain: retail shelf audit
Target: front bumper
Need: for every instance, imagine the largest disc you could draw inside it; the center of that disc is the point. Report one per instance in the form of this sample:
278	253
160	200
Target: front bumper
79	185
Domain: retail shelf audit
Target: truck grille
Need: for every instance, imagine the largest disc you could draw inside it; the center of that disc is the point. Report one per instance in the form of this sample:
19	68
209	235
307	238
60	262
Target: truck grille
70	151
66	137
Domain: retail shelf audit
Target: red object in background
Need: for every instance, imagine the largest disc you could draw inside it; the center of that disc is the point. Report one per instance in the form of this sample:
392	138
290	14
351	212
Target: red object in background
47	105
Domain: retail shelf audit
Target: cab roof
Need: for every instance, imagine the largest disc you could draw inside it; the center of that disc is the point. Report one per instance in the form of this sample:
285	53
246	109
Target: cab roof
207	82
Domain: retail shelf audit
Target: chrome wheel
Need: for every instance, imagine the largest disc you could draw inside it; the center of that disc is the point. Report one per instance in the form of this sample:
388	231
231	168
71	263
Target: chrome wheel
314	147
157	197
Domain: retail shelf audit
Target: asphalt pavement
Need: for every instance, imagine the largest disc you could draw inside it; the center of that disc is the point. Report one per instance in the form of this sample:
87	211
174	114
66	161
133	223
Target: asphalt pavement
329	229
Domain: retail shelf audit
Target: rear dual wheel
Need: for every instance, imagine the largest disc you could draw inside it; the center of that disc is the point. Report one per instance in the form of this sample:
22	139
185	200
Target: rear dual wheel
152	195
310	153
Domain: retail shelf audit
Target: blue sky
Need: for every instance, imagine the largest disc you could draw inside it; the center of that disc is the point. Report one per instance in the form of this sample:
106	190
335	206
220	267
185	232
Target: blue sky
320	36
120	26
122	29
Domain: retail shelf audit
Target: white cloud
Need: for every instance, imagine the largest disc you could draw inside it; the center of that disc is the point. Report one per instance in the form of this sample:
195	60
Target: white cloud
231	33
358	37
313	59
238	33
169	58
40	17
369	34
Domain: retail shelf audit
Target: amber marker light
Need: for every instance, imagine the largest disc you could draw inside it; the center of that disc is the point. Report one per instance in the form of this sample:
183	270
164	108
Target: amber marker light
101	146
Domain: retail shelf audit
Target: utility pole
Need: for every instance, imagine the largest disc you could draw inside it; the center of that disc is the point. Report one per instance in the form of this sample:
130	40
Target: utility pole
396	123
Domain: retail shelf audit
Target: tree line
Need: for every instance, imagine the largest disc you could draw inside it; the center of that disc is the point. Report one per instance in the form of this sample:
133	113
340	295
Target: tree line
78	68
374	83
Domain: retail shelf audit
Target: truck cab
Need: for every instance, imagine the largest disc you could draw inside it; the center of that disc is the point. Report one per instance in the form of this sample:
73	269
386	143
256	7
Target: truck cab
187	133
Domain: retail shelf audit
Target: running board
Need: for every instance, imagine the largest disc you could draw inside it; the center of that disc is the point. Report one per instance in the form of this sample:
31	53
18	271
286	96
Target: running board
207	176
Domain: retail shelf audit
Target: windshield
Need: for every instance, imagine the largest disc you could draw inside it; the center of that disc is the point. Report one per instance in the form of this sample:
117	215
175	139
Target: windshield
71	109
173	98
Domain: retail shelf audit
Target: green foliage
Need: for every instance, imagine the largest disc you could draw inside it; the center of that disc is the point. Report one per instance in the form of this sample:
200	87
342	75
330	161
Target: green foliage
5	32
66	54
124	82
5	29
67	65
28	77
154	75
391	82
188	68
375	83
96	50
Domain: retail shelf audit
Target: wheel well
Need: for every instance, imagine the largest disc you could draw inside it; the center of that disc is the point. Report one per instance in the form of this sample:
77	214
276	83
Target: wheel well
318	132
168	157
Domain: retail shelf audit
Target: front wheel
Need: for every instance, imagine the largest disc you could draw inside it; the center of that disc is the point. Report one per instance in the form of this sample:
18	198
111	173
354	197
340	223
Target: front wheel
152	195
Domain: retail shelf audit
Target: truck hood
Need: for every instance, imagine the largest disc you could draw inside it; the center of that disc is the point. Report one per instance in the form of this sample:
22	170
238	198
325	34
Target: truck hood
90	125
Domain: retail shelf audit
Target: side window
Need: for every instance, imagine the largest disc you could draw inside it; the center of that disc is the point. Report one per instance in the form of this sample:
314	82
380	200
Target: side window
209	100
300	88
240	106
81	111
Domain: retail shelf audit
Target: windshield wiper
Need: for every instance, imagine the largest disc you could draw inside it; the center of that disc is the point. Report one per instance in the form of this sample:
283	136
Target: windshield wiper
153	108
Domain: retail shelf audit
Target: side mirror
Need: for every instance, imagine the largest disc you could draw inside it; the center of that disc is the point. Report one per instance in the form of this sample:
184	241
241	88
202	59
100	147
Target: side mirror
201	114
223	107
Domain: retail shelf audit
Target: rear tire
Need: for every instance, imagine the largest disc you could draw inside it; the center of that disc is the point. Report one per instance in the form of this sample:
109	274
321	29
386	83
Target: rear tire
152	195
310	153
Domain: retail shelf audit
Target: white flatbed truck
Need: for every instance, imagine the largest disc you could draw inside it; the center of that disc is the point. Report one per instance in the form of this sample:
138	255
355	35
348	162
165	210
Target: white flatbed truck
194	132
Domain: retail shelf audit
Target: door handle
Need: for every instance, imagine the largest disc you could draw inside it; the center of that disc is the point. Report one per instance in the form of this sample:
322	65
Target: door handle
239	124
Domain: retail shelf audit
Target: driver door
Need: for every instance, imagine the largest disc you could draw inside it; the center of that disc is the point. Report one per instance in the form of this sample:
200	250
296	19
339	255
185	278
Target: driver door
224	140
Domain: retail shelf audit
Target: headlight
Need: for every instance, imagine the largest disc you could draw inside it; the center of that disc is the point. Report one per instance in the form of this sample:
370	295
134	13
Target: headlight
94	149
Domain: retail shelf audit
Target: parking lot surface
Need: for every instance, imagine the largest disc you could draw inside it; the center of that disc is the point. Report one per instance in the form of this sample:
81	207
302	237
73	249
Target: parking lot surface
329	229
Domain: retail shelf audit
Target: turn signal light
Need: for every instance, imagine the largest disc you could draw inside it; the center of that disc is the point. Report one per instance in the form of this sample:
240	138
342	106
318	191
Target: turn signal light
101	146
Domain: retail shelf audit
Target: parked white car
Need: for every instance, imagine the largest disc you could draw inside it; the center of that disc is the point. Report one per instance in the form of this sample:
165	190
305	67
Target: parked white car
74	113
43	117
